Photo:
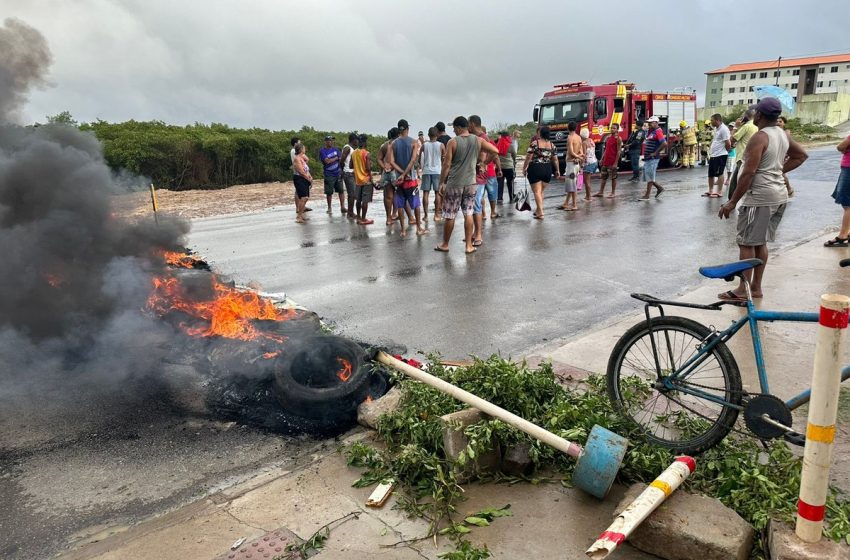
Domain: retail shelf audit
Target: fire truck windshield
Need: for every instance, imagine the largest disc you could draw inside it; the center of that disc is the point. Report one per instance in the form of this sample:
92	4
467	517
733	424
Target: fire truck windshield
564	112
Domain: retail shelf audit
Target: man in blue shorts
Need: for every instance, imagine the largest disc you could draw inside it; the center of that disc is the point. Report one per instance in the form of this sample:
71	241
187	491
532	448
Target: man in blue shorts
402	155
654	143
330	156
486	180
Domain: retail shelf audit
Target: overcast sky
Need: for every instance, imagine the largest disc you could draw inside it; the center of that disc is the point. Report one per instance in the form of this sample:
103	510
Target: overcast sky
345	65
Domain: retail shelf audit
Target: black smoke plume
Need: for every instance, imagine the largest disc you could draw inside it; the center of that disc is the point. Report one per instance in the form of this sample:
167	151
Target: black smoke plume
74	279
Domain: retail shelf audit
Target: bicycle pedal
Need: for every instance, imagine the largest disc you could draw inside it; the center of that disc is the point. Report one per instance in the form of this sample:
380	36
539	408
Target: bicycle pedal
795	439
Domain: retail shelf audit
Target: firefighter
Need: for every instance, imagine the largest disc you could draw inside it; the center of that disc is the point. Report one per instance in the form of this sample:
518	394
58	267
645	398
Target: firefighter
706	135
689	143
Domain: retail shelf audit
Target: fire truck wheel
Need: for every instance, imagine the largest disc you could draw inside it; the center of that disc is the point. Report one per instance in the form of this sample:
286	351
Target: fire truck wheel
321	376
674	157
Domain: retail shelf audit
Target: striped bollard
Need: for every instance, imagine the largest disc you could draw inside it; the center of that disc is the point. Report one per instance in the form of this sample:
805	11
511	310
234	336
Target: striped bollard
637	511
823	411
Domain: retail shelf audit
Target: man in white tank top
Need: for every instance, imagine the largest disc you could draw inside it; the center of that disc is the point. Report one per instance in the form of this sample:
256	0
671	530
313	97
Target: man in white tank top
761	190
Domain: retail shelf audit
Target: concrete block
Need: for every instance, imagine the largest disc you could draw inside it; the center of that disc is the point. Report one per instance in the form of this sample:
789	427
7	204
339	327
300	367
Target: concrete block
783	544
455	441
369	412
690	527
517	460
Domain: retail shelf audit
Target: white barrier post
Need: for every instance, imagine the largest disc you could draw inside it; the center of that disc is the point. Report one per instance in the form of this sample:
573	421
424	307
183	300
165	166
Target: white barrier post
637	511
823	411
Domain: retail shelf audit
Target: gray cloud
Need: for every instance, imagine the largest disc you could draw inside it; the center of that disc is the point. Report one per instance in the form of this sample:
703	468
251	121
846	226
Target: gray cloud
347	65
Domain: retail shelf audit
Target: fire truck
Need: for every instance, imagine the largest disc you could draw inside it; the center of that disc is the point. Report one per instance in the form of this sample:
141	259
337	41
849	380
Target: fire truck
597	107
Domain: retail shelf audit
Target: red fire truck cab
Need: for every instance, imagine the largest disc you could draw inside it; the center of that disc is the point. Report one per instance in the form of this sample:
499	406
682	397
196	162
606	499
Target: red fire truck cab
597	107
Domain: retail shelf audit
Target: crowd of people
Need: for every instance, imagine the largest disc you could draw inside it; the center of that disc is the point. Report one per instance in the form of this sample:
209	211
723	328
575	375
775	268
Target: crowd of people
469	174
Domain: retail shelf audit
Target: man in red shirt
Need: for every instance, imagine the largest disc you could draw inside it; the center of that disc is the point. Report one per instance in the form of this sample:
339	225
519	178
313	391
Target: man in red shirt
611	160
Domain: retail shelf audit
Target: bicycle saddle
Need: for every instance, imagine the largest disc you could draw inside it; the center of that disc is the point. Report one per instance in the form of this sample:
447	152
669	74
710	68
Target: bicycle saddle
728	271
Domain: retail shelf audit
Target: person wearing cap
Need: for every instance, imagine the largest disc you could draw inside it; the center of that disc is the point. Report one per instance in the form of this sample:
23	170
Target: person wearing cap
718	154
689	144
740	139
457	181
402	156
705	136
655	142
761	191
330	156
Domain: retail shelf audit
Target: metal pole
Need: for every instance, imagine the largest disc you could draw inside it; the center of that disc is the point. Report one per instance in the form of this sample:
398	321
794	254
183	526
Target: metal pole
535	431
642	506
823	411
778	63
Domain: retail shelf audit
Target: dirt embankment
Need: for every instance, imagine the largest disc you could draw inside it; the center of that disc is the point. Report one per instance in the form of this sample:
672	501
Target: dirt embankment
203	203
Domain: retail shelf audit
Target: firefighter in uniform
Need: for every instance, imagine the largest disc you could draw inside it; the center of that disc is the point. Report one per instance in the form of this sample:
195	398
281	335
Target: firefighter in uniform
706	135
689	142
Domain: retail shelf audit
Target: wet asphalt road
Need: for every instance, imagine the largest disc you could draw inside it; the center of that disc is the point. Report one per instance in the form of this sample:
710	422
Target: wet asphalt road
532	281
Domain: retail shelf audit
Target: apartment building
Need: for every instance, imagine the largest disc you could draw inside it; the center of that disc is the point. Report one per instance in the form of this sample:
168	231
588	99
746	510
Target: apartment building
733	85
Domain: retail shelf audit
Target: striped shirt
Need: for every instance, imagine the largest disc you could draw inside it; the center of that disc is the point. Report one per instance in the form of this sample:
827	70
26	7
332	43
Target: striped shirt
654	139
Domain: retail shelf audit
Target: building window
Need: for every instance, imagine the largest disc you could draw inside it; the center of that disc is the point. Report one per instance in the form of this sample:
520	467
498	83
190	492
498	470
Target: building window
776	73
714	103
796	72
733	77
730	102
794	86
715	78
714	90
743	76
831	83
820	70
762	74
833	69
820	84
741	90
731	90
753	76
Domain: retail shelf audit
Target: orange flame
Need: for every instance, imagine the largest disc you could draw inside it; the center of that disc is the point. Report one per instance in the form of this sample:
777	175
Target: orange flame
345	372
179	260
54	280
228	314
270	355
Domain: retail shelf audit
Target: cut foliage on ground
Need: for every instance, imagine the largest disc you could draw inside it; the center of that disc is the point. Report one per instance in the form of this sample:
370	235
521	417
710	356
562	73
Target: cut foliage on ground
758	483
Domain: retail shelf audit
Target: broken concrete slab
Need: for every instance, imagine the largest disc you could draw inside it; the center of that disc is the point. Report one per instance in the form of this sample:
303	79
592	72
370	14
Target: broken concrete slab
369	412
783	544
455	442
690	527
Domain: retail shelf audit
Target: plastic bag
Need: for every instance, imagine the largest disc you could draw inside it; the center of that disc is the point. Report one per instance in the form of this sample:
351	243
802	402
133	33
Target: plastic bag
580	182
521	199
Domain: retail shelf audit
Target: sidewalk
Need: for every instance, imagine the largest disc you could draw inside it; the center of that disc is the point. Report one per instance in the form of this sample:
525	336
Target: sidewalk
548	522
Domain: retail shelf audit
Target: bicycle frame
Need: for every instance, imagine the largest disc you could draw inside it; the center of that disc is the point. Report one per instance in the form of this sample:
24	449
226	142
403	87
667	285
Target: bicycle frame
753	317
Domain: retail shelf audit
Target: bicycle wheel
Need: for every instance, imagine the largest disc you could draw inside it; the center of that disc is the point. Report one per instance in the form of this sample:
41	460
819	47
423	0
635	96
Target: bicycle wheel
667	416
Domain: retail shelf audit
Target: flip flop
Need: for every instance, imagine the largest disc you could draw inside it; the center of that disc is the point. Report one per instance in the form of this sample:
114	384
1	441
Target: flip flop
470	252
838	242
713	195
441	250
730	296
477	243
598	195
706	194
536	217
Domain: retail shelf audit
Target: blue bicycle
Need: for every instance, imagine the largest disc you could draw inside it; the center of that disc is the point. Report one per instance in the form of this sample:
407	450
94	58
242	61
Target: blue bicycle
677	380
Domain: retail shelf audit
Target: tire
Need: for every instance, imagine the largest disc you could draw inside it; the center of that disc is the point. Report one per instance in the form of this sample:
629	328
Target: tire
674	156
631	362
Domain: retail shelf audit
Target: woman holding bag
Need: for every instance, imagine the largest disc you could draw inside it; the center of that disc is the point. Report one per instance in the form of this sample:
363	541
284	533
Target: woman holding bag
541	162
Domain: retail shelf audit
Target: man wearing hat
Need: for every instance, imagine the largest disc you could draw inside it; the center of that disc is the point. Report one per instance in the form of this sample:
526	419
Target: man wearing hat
705	137
761	191
329	155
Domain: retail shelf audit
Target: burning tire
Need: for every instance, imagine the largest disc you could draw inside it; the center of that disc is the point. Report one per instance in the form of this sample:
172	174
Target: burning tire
322	377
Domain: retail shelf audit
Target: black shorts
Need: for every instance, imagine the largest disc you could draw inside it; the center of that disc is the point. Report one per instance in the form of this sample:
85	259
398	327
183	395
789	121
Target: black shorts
538	172
302	186
717	166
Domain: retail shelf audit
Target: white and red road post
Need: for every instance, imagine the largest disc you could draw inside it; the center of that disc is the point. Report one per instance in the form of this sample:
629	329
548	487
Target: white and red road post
823	411
637	511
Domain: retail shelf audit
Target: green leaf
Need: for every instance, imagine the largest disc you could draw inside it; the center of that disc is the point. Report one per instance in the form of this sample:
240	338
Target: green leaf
477	521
